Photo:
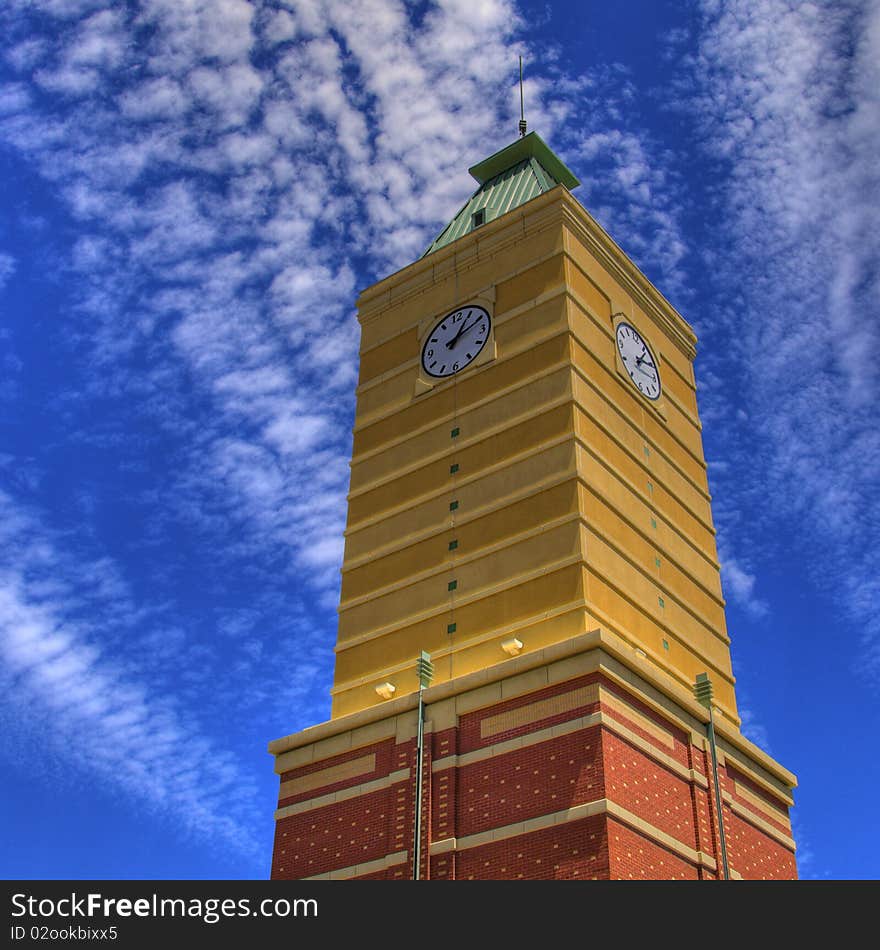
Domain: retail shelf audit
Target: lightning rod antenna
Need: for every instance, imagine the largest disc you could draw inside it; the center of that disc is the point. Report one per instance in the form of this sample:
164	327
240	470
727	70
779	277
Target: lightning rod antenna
522	114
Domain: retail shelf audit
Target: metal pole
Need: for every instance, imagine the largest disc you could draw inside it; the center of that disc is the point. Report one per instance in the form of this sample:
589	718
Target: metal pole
711	731
425	673
417	845
703	692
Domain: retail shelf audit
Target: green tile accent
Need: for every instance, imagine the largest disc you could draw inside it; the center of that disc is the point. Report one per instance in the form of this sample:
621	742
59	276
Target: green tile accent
453	505
453	545
647	452
653	523
656	562
661	602
452	585
453	468
450	628
454	433
650	488
665	644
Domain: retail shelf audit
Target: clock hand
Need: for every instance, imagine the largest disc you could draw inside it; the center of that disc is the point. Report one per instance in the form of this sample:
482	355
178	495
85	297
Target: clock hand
451	343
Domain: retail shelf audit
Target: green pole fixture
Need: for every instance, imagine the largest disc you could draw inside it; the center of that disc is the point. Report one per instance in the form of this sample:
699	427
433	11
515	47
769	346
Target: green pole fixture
703	693
425	673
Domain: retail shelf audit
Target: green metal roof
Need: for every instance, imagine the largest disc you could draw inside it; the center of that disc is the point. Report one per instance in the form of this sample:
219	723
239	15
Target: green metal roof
509	178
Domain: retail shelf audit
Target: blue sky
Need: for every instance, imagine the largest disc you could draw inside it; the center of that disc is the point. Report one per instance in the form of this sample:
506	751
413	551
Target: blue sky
192	194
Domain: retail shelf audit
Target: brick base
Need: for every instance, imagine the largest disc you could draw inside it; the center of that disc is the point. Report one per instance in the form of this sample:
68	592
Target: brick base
582	778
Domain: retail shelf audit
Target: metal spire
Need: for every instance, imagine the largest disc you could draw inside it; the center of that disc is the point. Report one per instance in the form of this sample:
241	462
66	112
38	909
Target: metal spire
522	114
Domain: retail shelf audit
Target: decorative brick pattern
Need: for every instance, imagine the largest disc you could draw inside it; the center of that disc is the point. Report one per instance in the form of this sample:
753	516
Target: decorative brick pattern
336	774
577	780
535	712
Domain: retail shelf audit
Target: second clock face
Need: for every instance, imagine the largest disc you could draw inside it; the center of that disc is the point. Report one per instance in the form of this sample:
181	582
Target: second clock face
638	361
455	341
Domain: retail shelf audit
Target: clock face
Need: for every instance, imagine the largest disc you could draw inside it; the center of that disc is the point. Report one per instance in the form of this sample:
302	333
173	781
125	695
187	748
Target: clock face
638	361
455	341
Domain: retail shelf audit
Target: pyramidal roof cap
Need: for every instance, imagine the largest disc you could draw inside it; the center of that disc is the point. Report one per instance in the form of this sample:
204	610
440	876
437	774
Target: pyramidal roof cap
523	170
529	146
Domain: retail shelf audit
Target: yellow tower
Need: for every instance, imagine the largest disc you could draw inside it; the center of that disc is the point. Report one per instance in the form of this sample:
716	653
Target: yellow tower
554	481
529	506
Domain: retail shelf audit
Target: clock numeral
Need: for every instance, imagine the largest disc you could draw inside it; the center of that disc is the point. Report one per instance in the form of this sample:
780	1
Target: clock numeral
455	367
430	353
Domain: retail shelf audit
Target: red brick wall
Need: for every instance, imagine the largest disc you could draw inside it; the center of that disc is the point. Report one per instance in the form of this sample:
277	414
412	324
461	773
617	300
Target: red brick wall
755	855
648	789
633	856
528	782
577	850
525	782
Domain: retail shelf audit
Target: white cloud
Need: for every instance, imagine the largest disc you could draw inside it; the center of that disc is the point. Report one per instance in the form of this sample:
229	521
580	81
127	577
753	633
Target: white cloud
7	268
100	716
160	98
791	109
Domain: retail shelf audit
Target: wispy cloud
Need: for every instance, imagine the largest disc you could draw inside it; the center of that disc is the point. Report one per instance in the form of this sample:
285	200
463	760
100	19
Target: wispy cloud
232	172
786	103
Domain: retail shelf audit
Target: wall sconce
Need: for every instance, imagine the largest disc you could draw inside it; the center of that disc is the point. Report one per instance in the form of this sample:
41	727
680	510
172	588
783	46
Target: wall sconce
386	690
512	646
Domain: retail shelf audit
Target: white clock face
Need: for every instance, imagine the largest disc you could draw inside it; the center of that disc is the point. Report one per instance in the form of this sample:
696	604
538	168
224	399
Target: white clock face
638	361
455	341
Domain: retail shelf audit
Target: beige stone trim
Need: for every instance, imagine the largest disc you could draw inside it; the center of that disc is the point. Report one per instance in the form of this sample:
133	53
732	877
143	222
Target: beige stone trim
671	698
544	708
598	807
612	627
661	837
598	649
601	806
564	729
343	795
442	653
776	812
356	870
518	742
620	705
329	776
748	815
320	742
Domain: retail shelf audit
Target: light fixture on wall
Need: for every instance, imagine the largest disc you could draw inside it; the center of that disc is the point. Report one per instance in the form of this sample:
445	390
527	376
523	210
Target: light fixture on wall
386	690
513	646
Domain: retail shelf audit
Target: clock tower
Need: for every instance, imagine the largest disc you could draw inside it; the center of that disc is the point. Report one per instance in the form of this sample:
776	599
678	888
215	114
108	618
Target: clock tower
533	674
